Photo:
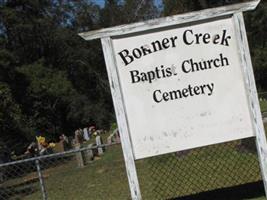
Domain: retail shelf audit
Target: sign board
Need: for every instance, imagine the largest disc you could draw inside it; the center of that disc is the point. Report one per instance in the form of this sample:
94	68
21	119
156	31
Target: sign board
182	82
183	87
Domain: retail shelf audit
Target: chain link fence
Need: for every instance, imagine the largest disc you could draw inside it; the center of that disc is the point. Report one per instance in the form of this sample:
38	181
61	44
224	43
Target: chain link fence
76	174
199	170
84	173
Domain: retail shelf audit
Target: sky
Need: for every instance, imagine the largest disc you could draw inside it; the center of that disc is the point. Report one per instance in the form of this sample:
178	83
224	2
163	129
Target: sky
102	2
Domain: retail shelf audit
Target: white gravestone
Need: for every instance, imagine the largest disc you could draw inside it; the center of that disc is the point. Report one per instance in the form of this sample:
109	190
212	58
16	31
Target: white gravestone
99	143
86	134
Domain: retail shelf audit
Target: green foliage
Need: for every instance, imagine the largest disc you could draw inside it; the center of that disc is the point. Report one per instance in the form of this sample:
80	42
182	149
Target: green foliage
53	81
58	81
49	91
113	127
263	105
137	10
172	7
46	82
256	23
13	130
10	113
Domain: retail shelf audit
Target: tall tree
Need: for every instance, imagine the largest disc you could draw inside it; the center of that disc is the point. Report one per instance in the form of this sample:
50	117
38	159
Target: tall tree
256	23
42	56
171	7
111	14
13	129
49	91
136	10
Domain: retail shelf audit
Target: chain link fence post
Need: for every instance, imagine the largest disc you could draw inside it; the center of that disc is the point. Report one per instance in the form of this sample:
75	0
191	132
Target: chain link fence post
41	180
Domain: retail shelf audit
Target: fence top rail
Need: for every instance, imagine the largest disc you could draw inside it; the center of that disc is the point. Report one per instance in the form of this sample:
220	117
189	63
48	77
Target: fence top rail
170	21
41	157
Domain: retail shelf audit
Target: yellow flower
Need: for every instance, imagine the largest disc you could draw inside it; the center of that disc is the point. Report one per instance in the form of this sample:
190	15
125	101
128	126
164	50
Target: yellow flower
52	145
40	139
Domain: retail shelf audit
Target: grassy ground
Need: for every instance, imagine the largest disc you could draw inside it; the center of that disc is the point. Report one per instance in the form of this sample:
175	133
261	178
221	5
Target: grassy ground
263	105
105	178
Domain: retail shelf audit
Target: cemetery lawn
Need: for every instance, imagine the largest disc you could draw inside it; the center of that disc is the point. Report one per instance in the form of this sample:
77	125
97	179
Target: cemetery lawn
105	178
263	105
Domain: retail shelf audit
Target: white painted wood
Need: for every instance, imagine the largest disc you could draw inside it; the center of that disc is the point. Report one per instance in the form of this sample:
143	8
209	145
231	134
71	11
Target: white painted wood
167	22
159	125
170	21
121	118
252	95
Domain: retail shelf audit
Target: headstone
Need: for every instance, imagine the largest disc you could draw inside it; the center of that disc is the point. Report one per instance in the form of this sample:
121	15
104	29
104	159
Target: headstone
86	134
79	156
117	137
78	136
59	147
88	154
109	139
63	144
78	140
99	143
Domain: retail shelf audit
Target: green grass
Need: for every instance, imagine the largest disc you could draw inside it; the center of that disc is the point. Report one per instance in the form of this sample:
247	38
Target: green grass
265	126
199	170
106	178
101	179
263	105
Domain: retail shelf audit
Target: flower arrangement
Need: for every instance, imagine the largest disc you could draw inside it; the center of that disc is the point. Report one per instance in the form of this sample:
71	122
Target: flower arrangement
52	145
40	140
43	144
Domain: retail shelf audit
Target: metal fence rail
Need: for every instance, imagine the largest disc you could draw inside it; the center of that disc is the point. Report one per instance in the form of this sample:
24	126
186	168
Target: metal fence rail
29	178
62	175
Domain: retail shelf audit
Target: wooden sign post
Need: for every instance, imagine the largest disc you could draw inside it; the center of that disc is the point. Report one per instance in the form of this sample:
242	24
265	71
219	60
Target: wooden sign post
182	82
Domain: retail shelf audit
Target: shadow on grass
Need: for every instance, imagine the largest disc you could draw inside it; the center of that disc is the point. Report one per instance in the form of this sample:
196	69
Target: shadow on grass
246	191
18	190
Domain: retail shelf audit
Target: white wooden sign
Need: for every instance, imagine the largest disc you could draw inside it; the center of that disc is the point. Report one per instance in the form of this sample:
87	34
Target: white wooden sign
183	88
182	82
